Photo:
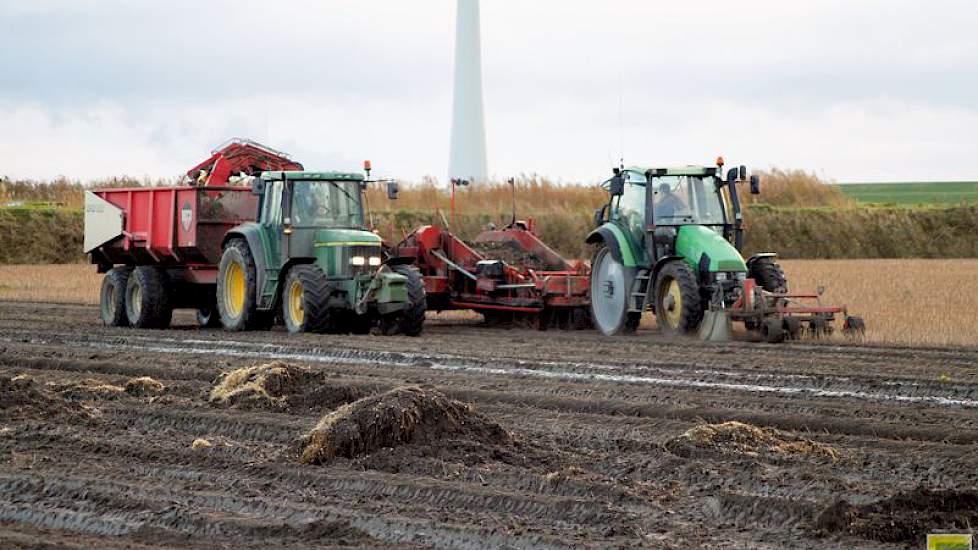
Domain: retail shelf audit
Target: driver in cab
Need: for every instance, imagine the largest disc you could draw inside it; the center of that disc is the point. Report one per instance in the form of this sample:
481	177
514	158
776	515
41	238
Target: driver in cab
313	206
668	203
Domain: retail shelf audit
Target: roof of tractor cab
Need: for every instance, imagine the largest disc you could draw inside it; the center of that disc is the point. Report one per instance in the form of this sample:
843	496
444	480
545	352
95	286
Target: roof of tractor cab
326	176
675	171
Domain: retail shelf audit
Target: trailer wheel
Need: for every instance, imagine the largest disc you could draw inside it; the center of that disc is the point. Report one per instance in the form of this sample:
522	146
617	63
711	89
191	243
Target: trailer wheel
678	307
773	330
611	282
411	320
147	298
305	300
112	299
236	289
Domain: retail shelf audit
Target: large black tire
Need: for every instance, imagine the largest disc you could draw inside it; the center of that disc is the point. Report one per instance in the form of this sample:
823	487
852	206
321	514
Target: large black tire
769	275
237	289
112	299
148	298
678	306
611	284
411	320
305	300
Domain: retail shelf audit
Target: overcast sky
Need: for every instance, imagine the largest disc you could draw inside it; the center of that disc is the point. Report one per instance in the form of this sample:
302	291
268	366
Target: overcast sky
862	90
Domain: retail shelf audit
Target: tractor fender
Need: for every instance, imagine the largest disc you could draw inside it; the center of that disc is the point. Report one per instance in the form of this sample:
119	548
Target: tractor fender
758	256
251	236
616	241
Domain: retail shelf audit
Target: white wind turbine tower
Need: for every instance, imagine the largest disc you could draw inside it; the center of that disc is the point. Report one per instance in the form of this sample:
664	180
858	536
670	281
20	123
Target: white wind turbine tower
467	161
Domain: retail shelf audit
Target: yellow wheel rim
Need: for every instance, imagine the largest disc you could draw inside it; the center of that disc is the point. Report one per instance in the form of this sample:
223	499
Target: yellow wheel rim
234	293
296	310
672	302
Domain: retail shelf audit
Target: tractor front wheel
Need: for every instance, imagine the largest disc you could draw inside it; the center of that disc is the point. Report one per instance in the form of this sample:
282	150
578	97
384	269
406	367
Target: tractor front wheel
678	307
112	300
305	300
611	282
769	275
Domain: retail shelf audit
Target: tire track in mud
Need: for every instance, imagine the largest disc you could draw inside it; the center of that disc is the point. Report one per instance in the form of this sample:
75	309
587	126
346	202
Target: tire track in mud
679	376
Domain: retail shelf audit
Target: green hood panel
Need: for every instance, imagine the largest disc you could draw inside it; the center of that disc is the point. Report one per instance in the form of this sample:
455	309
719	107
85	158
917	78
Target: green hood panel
695	240
346	237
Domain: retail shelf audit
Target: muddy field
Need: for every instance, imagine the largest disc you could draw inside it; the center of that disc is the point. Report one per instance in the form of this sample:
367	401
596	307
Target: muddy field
473	437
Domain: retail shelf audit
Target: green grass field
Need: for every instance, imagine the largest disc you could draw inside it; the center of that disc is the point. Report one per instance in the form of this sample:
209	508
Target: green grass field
937	192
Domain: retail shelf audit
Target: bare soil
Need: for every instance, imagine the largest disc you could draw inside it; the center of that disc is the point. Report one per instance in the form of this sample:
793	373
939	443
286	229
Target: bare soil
609	442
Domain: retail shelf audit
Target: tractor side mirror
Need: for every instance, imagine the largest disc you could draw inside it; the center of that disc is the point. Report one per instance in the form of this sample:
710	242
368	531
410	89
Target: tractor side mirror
617	186
392	189
258	187
755	185
732	175
743	173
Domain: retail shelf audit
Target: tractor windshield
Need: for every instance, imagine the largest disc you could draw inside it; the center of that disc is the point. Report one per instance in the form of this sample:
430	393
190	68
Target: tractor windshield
319	203
682	200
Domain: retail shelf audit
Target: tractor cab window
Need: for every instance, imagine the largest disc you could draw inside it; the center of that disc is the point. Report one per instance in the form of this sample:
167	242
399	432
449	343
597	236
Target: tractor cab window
630	208
326	204
273	203
680	200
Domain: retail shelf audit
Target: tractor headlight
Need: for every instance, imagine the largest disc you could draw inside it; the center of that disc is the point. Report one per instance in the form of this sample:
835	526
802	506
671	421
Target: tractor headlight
374	261
721	276
358	260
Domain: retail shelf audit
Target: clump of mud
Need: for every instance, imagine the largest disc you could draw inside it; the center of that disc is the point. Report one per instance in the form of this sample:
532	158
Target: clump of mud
405	415
739	438
280	386
905	517
22	398
88	390
144	386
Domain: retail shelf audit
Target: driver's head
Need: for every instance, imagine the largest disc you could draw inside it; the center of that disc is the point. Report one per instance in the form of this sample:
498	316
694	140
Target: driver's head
664	189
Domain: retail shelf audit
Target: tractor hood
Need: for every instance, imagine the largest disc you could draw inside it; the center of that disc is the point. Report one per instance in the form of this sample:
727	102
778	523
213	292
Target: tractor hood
694	241
346	237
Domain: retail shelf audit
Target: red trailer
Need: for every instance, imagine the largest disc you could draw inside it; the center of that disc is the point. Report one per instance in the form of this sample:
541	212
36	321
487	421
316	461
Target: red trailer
170	237
507	275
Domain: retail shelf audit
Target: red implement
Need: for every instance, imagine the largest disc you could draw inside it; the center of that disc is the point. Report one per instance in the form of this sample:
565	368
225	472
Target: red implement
508	275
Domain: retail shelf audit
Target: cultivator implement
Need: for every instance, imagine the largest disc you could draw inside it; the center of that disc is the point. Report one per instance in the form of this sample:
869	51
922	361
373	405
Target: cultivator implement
776	316
509	276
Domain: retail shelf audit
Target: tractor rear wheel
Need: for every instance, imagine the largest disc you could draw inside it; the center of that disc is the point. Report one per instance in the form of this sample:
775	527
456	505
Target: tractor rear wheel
611	283
237	289
678	307
147	298
411	320
769	275
112	299
305	300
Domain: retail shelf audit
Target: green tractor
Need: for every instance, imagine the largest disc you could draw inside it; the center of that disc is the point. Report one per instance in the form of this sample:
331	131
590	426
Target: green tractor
310	259
669	241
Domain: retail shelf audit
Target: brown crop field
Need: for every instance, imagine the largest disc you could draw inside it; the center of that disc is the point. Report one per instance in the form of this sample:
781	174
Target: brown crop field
911	302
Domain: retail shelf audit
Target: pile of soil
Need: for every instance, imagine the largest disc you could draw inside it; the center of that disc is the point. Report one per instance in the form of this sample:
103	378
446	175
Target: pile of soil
905	517
405	415
740	438
511	253
144	386
282	387
22	398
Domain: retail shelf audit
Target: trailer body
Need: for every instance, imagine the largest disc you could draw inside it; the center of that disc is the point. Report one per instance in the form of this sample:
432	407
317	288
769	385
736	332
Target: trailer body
179	228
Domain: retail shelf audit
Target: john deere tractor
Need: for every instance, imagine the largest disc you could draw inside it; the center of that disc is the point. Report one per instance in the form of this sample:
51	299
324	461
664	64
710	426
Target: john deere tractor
669	241
310	258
